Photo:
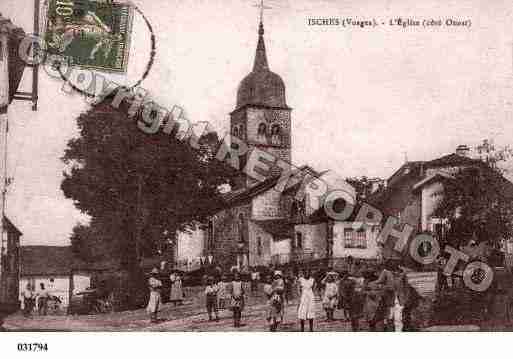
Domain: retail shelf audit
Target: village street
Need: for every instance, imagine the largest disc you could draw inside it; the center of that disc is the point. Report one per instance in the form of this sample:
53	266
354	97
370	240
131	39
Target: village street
191	316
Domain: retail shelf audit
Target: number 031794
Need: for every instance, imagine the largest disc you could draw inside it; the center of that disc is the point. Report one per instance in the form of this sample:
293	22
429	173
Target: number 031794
32	347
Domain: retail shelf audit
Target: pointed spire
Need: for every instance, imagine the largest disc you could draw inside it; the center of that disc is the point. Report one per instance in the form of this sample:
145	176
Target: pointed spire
260	63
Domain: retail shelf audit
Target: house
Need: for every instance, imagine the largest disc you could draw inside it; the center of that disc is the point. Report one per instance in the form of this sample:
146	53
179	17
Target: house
9	263
189	249
55	267
11	72
415	189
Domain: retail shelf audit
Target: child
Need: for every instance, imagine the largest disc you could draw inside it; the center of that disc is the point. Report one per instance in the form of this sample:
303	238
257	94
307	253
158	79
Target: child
155	286
273	292
222	293
237	295
329	301
279	289
211	298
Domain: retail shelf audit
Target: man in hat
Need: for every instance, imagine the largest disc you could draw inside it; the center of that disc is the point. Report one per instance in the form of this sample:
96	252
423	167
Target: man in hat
155	286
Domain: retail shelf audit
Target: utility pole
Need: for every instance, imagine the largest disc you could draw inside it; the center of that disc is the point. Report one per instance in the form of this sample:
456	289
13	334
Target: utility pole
70	290
4	104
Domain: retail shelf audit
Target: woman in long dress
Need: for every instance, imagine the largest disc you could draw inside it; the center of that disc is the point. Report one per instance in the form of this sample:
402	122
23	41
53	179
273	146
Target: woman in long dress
330	297
176	295
155	286
306	308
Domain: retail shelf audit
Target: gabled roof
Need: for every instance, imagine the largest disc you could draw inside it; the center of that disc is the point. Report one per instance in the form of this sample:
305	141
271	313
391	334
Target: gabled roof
244	194
11	227
439	176
396	196
53	261
452	159
410	177
320	215
46	260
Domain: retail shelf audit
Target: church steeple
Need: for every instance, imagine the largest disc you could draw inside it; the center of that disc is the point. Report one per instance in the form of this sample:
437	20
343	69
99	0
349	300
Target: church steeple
261	117
260	63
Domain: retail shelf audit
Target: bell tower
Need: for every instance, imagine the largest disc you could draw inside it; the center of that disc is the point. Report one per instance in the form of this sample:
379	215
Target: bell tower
262	117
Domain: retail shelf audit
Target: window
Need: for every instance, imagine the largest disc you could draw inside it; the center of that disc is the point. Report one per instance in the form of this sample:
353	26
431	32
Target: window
294	210
276	135
299	240
241	131
210	235
355	239
235	131
330	232
262	129
241	227
259	246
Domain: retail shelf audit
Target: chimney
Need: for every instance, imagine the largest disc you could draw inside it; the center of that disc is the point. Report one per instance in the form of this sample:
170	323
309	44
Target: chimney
463	150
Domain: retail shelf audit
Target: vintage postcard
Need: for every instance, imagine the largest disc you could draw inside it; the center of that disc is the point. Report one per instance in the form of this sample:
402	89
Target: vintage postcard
256	166
92	34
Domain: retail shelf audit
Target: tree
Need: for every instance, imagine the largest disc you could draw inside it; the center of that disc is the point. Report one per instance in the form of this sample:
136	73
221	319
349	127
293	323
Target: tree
137	187
477	203
365	186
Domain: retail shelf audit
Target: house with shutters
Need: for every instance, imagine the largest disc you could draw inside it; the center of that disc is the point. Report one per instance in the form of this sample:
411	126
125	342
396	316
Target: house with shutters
413	192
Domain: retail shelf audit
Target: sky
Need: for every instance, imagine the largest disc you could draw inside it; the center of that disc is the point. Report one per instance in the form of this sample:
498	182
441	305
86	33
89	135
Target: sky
363	99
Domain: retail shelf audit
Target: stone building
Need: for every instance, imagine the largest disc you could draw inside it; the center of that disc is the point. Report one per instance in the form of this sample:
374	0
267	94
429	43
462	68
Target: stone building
260	224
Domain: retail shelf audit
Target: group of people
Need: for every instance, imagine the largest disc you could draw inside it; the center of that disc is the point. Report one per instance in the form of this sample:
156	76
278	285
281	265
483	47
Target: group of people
383	298
380	296
224	294
176	294
32	298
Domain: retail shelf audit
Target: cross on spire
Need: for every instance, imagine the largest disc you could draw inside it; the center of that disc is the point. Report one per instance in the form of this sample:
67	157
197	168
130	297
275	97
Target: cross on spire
262	7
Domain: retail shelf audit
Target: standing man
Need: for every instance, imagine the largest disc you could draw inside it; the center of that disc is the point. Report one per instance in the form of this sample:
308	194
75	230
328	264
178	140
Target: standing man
42	300
28	300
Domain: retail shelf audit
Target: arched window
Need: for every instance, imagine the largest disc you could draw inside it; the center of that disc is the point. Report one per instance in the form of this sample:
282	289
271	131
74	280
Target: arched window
235	131
210	235
241	132
241	227
299	240
262	133
276	134
294	210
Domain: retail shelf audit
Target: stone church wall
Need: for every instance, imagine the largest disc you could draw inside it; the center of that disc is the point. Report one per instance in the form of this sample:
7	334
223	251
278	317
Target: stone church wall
262	256
314	238
227	234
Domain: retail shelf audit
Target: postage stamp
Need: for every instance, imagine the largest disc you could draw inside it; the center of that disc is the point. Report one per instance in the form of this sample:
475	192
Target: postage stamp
92	34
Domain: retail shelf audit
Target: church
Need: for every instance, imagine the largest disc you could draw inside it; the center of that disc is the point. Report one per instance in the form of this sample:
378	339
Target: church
258	225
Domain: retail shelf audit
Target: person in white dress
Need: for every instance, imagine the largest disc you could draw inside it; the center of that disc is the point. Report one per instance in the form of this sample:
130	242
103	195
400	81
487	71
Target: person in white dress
306	308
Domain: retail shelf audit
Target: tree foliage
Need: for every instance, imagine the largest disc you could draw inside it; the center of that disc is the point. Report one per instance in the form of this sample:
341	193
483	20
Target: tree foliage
478	202
136	185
